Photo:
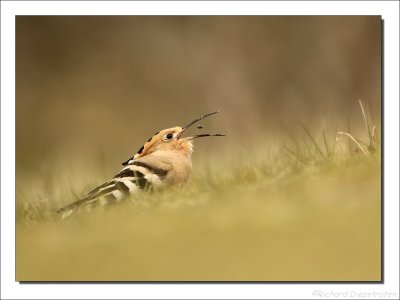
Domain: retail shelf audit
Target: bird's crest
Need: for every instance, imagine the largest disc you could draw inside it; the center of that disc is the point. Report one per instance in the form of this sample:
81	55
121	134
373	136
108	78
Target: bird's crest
171	136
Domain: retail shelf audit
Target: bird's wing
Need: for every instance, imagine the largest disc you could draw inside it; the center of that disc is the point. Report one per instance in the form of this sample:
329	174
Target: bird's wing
139	175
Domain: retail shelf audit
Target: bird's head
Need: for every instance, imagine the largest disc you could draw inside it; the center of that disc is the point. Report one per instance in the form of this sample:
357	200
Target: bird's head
172	139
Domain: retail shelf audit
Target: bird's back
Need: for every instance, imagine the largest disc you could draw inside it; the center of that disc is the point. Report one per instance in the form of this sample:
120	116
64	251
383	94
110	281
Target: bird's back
150	171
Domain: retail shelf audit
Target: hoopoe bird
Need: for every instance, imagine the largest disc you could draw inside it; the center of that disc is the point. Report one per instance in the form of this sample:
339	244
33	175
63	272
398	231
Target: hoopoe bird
165	159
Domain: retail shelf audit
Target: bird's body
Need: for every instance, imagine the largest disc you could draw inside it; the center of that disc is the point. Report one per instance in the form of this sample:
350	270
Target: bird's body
165	159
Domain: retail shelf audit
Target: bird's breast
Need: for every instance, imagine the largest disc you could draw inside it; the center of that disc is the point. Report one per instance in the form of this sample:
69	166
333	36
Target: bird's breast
181	165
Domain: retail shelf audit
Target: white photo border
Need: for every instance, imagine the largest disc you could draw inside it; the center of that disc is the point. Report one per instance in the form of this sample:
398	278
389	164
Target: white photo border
389	10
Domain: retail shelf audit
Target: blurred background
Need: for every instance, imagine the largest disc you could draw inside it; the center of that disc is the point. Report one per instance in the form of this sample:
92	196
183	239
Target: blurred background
102	85
90	90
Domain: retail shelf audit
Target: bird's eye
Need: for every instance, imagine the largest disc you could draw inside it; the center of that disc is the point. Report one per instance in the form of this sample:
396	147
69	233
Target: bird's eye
169	136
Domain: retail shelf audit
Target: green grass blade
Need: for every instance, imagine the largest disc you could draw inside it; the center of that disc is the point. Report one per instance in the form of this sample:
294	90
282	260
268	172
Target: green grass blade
328	152
313	140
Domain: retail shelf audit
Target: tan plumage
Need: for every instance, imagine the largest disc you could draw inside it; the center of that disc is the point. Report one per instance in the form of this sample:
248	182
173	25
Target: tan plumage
165	159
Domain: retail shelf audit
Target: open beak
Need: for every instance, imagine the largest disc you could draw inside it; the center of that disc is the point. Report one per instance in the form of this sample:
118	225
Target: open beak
199	135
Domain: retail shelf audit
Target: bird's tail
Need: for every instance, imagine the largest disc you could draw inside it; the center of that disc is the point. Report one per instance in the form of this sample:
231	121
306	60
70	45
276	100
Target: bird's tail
131	179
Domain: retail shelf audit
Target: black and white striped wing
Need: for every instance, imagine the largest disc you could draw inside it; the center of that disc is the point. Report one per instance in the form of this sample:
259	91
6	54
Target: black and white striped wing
133	178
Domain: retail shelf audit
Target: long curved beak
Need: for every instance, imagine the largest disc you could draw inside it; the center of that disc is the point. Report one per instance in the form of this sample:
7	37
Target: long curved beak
184	128
203	135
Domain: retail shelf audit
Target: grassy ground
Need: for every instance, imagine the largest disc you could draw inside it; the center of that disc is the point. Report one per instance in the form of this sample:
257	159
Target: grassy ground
299	211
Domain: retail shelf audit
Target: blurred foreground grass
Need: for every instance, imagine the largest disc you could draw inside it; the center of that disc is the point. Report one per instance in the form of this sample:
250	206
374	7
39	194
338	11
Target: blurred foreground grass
259	215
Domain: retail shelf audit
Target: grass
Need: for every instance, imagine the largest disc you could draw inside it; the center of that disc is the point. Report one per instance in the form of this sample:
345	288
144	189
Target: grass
305	211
